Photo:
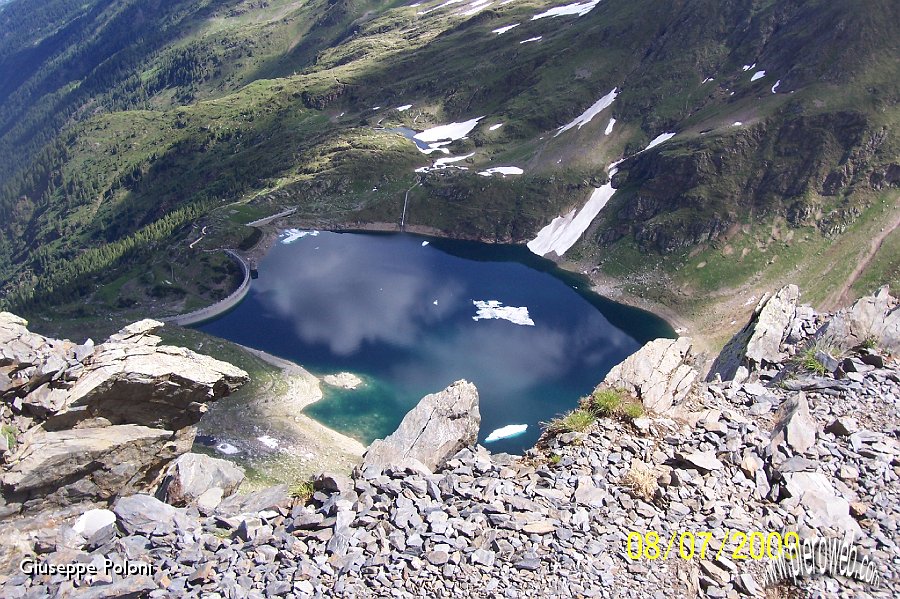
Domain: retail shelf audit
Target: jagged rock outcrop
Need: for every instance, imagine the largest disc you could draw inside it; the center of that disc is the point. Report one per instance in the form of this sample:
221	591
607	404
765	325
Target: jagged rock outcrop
440	425
871	319
95	464
197	479
660	374
86	423
759	342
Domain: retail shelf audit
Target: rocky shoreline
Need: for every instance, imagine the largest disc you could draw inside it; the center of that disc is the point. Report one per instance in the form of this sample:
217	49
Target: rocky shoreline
794	431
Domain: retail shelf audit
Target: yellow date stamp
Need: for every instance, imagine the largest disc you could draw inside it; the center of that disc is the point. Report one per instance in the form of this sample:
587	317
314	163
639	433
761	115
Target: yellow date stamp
733	544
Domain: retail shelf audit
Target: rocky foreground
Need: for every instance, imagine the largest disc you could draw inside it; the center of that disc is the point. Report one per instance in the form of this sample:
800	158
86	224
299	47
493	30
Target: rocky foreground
794	429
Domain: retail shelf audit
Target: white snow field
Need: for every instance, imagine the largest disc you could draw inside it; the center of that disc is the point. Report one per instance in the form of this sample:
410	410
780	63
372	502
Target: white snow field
596	108
563	231
449	132
495	310
502	30
532	39
658	140
757	75
495	127
609	127
774	87
502	170
578	8
404	108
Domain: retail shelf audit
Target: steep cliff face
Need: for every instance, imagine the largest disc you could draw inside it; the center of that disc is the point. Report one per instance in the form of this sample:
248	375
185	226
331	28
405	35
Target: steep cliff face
801	167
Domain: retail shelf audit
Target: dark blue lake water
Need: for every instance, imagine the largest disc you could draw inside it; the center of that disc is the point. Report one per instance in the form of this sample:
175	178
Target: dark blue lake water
401	313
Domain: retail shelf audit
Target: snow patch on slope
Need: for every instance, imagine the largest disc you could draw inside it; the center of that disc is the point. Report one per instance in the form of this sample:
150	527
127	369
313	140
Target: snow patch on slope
579	8
502	30
596	108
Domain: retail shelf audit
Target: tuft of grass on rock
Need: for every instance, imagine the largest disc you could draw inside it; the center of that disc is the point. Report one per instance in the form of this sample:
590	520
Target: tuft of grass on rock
632	410
606	402
640	480
575	421
614	403
302	490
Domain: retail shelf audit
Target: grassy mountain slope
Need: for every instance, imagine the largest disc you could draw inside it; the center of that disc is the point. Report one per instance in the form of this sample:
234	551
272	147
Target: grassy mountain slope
282	104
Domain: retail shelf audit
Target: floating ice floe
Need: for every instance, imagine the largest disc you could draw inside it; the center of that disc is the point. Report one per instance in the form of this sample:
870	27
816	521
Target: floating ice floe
435	302
609	127
658	140
747	67
502	30
502	170
270	442
495	127
596	108
758	75
774	87
292	235
493	309
404	108
227	449
578	8
532	39
505	432
424	243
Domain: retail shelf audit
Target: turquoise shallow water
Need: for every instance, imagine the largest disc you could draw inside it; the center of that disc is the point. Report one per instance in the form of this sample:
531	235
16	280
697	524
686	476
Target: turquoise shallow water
400	312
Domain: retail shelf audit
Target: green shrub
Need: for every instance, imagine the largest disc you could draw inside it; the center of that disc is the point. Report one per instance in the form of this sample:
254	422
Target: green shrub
633	410
606	402
575	421
302	490
809	361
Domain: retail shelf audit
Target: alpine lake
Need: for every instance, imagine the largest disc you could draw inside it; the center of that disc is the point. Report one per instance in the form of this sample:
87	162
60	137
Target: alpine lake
411	314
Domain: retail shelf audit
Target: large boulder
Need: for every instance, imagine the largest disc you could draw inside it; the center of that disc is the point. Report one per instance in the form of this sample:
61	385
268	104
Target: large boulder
194	475
146	515
436	429
63	467
821	504
660	373
794	426
133	379
760	341
872	318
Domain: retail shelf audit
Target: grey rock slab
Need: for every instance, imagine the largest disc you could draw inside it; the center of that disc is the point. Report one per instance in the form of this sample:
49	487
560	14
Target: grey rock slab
704	460
144	515
794	425
436	429
760	341
193	474
660	374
